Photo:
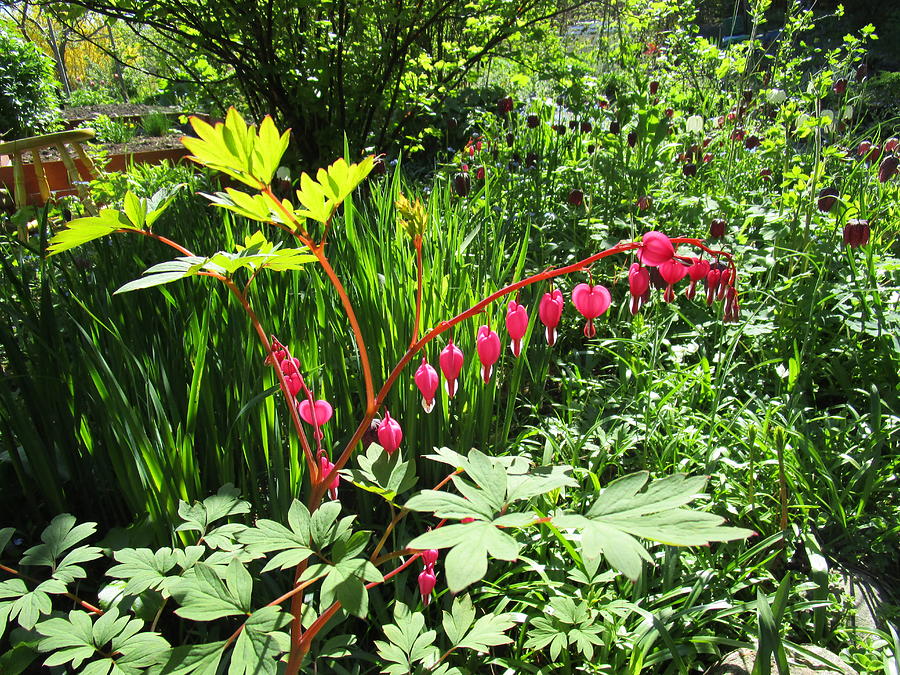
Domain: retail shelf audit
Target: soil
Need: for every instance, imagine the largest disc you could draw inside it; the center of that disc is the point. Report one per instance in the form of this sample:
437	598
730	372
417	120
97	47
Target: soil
137	144
85	113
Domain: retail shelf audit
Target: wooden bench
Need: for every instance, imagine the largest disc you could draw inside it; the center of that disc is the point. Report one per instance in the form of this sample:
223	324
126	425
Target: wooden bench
65	143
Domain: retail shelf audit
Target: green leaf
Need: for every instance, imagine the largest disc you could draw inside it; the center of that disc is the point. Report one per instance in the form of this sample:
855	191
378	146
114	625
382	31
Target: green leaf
488	632
6	534
469	544
382	474
240	584
146	569
225	503
204	597
165	273
448	505
345	583
61	534
408	644
623	512
192	660
82	230
459	619
235	149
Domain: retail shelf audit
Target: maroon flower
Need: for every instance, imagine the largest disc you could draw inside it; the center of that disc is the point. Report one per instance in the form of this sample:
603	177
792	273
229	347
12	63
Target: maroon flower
717	228
462	184
479	173
765	174
840	86
689	169
862	72
856	233
615	128
505	105
828	197
532	121
586	127
644	202
863	148
576	197
654	87
531	160
559	128
752	142
888	168
891	144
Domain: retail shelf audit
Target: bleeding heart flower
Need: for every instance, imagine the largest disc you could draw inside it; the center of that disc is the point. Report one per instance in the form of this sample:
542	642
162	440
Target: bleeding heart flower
430	557
390	435
638	286
550	312
427	380
451	362
324	467
713	278
697	271
488	345
316	414
591	302
516	325
656	248
427	582
672	271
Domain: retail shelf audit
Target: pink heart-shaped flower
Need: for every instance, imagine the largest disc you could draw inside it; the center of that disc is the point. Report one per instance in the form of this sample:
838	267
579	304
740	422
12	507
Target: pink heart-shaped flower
591	301
316	416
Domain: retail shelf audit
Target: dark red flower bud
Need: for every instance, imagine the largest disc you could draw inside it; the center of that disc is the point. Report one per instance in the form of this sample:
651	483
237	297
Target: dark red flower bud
603	104
689	169
576	197
840	86
559	128
586	127
452	123
479	173
573	125
632	139
862	72
828	197
654	87
510	139
856	233
531	160
669	113
378	167
707	158
863	148
717	228
765	174
737	135
874	154
752	142
505	105
614	127
533	121
891	144
888	168
462	184
644	203
591	148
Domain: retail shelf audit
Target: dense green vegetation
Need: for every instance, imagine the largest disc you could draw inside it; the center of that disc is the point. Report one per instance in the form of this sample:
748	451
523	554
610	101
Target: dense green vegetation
156	417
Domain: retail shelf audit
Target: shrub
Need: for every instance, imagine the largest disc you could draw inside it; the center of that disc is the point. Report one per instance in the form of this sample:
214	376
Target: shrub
92	96
28	99
156	124
110	131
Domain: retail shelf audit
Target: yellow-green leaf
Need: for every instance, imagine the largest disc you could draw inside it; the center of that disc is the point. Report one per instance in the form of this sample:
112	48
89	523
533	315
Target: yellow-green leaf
82	230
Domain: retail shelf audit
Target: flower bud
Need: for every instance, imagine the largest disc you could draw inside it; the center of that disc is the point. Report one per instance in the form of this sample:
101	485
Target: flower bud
427	380
427	582
856	233
840	86
516	325
550	313
638	285
390	435
533	121
462	184
430	557
451	362
488	346
632	139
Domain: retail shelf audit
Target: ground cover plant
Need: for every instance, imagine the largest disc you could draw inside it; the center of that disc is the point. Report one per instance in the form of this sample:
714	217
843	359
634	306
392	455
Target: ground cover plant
787	414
